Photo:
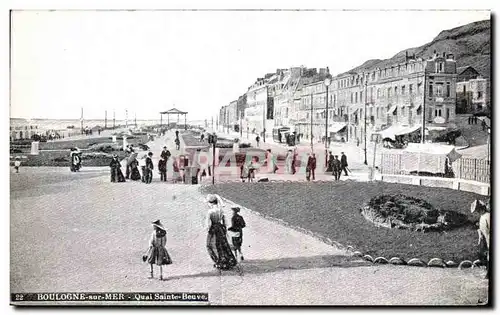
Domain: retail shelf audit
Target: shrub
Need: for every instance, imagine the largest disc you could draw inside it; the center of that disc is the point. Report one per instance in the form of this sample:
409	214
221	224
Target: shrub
106	147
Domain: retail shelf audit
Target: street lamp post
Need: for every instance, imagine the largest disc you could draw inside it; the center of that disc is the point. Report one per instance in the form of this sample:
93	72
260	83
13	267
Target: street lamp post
312	147
366	101
327	83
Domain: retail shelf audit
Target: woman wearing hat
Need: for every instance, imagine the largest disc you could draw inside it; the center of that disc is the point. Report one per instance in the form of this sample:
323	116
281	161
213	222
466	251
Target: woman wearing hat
157	252
217	244
116	172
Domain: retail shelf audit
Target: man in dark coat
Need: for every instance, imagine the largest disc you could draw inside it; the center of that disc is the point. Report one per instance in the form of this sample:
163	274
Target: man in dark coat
311	166
130	151
336	167
165	154
149	168
329	167
162	168
343	164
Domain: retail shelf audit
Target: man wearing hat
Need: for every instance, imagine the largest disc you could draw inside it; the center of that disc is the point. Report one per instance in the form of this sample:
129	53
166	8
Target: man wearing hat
165	154
236	231
157	252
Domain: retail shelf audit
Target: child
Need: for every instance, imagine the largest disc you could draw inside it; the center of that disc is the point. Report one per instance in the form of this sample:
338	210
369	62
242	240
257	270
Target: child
157	252
236	229
17	164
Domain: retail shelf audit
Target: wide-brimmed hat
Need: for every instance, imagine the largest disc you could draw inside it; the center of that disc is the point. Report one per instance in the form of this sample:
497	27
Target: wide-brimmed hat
18	157
211	198
236	209
158	224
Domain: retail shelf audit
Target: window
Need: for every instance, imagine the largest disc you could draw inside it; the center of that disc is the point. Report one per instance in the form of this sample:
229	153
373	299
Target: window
411	89
479	94
437	113
431	91
352	97
396	91
447	114
378	93
356	97
439	89
388	92
419	110
403	90
448	90
360	96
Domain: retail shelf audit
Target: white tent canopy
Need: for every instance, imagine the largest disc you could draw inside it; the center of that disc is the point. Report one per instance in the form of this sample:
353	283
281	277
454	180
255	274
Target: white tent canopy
397	130
428	157
336	127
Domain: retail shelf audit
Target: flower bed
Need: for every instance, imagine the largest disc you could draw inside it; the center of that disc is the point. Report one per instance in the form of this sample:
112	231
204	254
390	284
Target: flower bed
406	212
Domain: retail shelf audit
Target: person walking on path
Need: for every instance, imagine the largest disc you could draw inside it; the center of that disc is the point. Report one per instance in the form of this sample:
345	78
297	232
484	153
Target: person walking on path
271	163
288	162
329	167
202	138
165	154
343	164
157	253
236	232
116	172
135	174
162	168
257	139
294	160
177	134
311	167
130	152
177	144
17	164
336	167
142	165
149	168
217	245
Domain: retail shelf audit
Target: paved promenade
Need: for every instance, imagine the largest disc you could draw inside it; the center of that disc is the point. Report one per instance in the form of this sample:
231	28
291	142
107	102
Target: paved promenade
79	232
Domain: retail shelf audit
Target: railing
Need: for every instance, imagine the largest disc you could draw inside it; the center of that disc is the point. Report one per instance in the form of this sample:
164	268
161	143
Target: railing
464	168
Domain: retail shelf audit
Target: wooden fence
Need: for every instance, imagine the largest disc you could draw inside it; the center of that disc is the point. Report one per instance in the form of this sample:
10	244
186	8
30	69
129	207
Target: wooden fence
464	168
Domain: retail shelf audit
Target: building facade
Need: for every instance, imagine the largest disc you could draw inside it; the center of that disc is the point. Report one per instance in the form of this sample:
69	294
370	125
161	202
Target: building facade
394	96
472	92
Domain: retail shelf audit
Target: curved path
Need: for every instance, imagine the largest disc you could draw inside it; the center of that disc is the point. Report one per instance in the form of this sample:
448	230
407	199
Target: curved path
82	233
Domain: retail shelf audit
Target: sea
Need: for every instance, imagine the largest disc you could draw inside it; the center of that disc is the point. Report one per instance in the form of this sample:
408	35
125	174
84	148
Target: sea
63	124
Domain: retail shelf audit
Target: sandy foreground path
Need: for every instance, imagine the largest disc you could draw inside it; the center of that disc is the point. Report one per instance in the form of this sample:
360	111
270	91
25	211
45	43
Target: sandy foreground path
79	232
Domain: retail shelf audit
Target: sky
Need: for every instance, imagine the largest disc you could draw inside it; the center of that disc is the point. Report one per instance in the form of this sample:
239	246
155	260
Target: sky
196	61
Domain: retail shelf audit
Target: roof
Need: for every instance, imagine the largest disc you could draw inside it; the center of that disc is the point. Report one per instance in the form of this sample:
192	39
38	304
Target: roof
432	148
174	111
461	70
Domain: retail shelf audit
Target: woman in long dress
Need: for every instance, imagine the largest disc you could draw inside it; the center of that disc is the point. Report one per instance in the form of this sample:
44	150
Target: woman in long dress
217	245
135	174
157	253
116	172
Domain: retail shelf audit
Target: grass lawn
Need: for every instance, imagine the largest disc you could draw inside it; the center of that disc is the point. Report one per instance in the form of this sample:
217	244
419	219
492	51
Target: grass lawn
85	143
332	210
61	158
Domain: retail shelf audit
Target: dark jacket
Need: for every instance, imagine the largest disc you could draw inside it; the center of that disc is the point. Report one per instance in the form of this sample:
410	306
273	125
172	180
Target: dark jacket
237	223
165	154
336	165
149	163
343	160
162	165
311	163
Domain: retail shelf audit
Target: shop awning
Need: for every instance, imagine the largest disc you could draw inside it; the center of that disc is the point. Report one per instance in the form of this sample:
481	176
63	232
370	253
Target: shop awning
407	130
392	109
390	132
336	127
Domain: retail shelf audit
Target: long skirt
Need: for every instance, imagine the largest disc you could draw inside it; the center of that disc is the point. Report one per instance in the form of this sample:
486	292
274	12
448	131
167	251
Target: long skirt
158	255
218	247
117	175
135	175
